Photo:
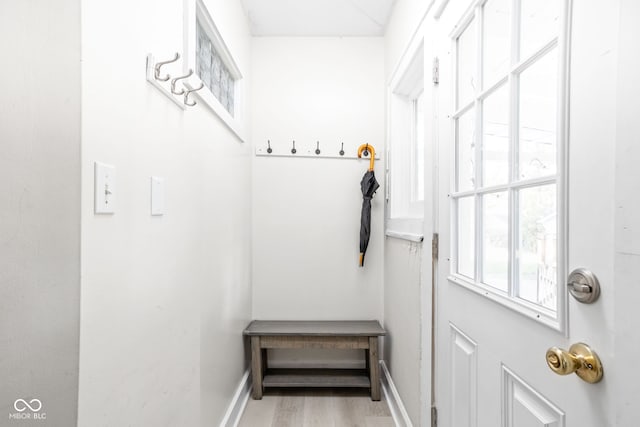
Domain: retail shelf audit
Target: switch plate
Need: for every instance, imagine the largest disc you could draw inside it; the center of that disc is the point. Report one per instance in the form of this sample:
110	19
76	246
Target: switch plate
157	195
105	188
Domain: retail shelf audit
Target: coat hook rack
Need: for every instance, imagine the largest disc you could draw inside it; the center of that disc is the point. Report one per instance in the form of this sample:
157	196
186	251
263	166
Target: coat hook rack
174	81
311	151
153	77
160	64
186	95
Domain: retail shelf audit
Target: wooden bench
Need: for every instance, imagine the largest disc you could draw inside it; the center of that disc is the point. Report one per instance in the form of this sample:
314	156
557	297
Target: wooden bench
346	335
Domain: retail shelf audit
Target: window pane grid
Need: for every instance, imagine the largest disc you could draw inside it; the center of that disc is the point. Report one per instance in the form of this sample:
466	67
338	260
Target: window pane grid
495	138
466	161
512	185
466	248
496	36
467	64
494	260
514	71
538	22
513	254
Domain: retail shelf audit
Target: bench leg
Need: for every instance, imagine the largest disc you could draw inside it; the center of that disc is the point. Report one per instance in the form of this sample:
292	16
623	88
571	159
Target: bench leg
374	368
256	367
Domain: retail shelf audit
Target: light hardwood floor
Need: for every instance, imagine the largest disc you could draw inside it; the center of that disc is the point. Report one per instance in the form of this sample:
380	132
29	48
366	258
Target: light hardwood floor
316	408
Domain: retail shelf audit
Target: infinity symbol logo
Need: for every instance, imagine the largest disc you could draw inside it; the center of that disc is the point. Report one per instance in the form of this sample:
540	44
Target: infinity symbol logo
21	405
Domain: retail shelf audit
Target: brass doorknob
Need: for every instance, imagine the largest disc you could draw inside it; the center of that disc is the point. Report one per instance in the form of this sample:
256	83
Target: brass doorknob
579	359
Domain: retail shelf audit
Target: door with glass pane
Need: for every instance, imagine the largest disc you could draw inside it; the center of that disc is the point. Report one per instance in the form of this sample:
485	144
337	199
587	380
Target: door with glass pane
507	193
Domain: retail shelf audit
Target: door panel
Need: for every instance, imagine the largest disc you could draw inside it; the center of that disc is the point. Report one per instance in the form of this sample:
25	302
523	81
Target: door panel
508	238
525	407
464	375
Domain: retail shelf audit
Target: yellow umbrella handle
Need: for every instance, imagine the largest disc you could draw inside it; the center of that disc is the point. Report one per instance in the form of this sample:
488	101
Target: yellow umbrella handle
371	150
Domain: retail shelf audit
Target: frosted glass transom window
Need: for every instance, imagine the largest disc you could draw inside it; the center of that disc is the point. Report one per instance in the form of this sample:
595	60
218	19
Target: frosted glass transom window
508	140
213	72
217	82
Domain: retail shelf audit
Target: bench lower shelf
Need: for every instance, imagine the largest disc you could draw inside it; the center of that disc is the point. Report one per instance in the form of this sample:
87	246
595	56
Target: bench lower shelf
317	378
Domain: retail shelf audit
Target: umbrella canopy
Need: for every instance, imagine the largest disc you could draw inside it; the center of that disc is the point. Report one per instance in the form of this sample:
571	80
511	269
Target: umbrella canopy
368	185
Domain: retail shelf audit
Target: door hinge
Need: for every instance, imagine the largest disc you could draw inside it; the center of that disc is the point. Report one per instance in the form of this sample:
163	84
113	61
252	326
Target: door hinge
436	70
434	416
435	246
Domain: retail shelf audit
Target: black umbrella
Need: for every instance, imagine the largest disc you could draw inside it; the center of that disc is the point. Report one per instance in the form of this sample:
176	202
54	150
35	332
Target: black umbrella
368	185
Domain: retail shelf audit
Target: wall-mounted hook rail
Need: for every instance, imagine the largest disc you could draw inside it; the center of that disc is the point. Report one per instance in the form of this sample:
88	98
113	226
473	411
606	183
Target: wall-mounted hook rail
159	65
186	95
152	69
310	152
174	81
151	78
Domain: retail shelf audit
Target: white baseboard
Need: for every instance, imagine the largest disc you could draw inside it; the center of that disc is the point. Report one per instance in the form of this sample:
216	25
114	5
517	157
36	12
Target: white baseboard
398	411
238	403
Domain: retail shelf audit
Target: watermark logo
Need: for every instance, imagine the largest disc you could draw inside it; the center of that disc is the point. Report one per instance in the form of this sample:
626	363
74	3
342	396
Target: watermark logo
21	405
27	410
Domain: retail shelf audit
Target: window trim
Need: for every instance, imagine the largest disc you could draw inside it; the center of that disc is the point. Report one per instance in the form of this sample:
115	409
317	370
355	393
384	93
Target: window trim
415	202
557	320
407	82
196	11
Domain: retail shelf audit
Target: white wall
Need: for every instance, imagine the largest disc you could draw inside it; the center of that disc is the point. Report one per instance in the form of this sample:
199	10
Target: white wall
402	318
627	220
306	220
403	24
407	276
164	299
39	208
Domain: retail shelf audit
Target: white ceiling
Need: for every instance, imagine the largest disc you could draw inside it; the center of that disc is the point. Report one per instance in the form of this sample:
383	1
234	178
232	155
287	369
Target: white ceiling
318	17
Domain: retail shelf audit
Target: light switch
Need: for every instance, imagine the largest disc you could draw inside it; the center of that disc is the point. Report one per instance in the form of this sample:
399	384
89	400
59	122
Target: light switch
157	195
105	188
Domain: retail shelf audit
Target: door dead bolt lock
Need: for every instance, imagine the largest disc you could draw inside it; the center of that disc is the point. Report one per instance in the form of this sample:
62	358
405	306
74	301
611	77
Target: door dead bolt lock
584	286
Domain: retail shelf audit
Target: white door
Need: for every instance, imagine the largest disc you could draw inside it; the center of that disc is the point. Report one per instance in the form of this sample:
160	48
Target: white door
525	195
